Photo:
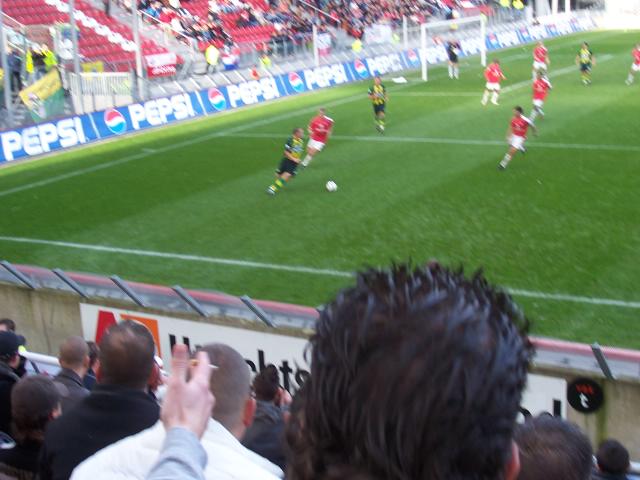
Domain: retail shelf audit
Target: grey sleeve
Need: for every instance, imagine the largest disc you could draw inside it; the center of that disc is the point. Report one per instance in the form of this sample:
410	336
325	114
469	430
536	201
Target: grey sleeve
182	457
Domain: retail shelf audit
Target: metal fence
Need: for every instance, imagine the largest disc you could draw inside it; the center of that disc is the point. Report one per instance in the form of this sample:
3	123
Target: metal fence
91	92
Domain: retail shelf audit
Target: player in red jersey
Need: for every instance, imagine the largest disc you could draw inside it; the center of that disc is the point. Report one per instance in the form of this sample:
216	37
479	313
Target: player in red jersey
541	88
493	74
319	128
636	64
516	135
540	60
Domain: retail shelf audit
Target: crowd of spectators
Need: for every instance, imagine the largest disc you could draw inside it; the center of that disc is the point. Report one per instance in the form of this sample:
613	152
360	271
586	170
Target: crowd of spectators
416	373
292	20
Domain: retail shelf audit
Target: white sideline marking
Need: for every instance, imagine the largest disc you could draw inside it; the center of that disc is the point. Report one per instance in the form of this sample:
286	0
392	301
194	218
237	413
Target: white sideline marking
459	141
436	94
295	268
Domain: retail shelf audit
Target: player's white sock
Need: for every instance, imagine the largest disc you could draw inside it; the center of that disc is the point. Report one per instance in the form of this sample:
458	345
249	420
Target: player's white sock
630	79
450	71
534	74
456	72
307	161
505	161
485	97
494	98
534	114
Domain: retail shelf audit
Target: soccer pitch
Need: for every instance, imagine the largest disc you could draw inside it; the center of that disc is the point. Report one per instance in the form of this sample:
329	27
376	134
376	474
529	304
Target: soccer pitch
187	204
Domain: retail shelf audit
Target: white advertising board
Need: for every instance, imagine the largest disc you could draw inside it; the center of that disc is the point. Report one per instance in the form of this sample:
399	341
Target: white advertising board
543	393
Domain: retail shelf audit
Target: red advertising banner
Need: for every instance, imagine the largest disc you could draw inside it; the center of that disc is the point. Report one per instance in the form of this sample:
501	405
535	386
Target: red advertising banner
161	64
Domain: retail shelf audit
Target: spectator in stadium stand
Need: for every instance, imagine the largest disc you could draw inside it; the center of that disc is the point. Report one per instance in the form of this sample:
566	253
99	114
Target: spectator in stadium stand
186	410
35	400
415	373
89	380
74	362
552	448
265	436
118	406
7	324
612	460
15	69
9	361
39	69
234	407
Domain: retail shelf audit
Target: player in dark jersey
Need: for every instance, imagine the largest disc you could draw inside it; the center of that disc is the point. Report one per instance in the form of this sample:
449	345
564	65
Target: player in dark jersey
378	96
293	150
585	60
453	50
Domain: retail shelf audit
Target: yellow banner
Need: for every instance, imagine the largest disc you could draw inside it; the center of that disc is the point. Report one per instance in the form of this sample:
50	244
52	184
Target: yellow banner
93	67
41	90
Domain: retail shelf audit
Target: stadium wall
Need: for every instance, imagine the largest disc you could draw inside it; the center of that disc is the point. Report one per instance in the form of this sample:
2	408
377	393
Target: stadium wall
46	317
81	130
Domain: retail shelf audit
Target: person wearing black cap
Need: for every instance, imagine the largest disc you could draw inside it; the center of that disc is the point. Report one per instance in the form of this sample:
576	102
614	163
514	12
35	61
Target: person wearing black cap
9	360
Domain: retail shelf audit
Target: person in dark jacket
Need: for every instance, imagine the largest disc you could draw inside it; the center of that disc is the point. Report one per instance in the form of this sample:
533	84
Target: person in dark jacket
265	436
9	360
89	380
74	360
612	461
15	69
35	401
117	407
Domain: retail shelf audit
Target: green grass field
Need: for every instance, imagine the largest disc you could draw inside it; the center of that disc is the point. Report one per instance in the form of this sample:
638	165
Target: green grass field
564	219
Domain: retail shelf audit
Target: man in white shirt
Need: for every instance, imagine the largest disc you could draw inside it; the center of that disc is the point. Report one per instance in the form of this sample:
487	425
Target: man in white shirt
133	457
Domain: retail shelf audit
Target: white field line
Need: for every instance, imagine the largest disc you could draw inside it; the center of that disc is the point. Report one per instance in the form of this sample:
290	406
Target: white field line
458	141
294	268
436	94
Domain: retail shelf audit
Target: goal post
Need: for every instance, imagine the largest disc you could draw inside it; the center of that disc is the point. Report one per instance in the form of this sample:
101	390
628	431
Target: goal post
470	32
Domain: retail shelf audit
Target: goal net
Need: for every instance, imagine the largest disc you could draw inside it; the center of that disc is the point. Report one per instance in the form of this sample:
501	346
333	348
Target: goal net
469	33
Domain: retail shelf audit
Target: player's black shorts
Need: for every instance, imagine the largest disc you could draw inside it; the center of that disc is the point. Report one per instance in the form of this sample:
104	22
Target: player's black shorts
287	166
585	67
453	58
378	108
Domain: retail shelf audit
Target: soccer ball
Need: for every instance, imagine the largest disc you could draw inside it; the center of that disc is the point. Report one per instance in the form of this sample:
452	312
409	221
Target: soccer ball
331	186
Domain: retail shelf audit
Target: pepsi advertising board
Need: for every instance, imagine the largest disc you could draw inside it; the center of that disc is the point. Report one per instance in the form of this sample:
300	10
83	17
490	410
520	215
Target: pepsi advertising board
152	113
84	129
46	137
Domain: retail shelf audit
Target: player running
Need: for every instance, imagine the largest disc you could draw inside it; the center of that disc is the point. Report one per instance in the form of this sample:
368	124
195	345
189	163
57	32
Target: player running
319	129
516	135
453	50
493	74
635	67
541	88
586	60
292	152
378	95
540	60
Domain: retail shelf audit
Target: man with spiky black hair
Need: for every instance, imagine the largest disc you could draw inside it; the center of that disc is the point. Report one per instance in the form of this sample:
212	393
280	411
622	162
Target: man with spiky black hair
416	373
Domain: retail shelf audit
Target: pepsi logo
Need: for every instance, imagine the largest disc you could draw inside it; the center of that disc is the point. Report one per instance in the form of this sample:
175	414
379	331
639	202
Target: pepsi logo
217	100
296	82
412	56
115	121
361	69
